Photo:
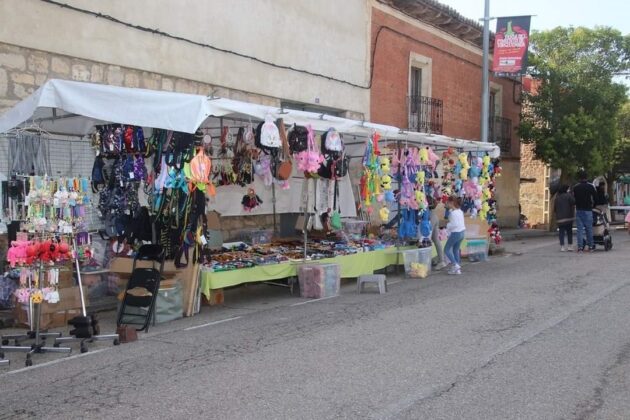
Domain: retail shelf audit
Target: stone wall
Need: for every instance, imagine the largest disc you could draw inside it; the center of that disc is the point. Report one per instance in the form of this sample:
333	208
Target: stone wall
301	34
233	226
507	194
532	194
22	70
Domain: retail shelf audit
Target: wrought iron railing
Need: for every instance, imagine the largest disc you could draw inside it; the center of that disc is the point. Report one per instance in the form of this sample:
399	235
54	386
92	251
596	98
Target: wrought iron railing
500	133
425	114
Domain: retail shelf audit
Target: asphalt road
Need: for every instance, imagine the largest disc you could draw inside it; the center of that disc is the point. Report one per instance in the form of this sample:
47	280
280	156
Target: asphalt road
534	334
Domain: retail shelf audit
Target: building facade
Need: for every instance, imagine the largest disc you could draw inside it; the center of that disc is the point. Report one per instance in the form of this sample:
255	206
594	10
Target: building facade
411	64
281	53
262	52
427	71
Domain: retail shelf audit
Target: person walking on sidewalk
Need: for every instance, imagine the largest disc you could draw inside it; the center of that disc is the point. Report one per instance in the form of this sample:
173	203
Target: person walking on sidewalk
456	228
435	234
564	208
585	199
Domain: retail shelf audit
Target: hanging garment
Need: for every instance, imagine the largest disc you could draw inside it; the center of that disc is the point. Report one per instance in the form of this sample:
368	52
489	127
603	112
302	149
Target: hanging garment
28	154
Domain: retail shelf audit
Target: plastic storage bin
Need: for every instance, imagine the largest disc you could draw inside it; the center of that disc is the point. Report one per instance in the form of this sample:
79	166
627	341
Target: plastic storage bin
354	227
256	236
319	280
419	256
477	250
169	304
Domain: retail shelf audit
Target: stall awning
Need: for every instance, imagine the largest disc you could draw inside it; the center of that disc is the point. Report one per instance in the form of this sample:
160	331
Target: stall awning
73	108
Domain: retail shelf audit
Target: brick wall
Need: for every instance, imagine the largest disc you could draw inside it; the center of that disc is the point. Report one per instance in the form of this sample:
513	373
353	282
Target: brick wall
456	79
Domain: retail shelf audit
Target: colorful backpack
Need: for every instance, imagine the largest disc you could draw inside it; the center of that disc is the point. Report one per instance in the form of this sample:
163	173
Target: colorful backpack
267	135
298	139
310	159
332	143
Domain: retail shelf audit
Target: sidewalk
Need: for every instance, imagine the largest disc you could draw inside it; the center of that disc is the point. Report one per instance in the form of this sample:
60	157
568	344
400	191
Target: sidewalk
518	234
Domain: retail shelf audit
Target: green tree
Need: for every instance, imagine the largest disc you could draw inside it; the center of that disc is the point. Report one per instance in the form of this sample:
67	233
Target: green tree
621	151
571	115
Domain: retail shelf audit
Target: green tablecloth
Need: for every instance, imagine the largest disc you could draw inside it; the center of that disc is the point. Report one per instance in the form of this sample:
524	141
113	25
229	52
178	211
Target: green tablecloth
354	265
351	266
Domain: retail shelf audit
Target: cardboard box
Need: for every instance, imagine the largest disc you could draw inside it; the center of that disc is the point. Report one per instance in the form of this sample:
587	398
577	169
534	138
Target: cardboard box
216	298
214	220
123	266
476	228
66	276
54	314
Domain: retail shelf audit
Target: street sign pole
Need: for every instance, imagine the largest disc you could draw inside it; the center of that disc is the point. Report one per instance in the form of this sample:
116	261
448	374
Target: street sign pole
485	89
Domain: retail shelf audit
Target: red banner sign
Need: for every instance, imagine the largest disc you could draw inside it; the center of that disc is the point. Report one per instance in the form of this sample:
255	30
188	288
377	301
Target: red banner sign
511	41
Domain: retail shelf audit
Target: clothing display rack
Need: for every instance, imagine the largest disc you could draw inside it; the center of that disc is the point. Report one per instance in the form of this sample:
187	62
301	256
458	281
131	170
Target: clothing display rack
35	333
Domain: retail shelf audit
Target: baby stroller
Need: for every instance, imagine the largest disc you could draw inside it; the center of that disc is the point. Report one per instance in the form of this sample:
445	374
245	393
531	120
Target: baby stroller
601	229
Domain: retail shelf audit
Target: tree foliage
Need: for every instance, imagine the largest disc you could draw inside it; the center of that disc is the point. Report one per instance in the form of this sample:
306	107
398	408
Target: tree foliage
571	116
621	151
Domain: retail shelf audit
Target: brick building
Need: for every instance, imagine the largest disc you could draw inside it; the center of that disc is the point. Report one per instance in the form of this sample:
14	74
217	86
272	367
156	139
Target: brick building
427	71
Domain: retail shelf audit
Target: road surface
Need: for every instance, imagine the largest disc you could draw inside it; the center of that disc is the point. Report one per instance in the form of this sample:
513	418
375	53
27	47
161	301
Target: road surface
533	334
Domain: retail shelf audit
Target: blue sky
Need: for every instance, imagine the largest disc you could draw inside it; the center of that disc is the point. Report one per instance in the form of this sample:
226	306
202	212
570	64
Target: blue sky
552	13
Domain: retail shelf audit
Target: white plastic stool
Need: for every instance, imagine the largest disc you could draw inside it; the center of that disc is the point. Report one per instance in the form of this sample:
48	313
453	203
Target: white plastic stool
378	279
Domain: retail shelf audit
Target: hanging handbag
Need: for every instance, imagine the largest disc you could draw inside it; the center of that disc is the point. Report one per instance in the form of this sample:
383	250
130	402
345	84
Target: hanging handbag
285	167
342	166
317	220
298	139
335	218
310	159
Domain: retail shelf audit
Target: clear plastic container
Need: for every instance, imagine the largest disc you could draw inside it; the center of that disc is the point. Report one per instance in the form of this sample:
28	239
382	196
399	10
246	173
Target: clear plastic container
319	280
256	236
354	227
421	256
477	250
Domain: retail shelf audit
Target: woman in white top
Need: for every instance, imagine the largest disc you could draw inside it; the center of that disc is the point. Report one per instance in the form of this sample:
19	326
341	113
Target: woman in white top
456	229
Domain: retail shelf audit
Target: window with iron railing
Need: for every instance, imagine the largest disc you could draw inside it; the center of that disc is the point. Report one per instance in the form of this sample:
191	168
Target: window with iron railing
500	133
425	114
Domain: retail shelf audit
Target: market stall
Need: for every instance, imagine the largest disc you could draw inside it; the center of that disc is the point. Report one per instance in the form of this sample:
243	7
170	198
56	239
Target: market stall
165	160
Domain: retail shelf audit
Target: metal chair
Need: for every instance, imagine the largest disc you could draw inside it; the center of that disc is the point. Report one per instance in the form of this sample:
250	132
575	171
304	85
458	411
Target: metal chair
146	281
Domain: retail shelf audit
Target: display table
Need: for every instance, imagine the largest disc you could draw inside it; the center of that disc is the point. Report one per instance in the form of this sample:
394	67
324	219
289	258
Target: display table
353	265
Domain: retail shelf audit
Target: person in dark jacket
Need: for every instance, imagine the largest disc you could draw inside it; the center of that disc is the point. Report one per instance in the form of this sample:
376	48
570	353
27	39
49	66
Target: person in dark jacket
585	199
602	197
564	208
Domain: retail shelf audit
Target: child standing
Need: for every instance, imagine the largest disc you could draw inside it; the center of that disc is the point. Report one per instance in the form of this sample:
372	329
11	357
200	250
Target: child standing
456	228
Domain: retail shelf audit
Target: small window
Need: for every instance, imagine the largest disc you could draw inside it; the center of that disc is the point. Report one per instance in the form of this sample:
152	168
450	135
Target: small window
493	104
311	108
415	89
416	82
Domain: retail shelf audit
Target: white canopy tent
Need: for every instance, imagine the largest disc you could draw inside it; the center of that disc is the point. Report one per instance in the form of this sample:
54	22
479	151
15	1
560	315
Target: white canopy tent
72	108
